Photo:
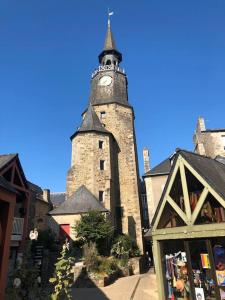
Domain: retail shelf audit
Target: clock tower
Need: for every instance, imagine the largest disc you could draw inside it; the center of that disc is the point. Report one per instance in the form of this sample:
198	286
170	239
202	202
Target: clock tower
104	152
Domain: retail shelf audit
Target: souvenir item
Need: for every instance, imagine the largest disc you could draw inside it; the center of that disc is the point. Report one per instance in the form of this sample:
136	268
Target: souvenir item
205	261
183	257
199	294
220	275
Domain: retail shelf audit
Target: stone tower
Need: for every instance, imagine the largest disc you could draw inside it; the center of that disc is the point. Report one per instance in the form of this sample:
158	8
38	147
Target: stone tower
209	142
104	154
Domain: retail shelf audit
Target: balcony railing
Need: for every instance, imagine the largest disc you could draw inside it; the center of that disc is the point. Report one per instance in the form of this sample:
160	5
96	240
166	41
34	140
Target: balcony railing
17	230
106	68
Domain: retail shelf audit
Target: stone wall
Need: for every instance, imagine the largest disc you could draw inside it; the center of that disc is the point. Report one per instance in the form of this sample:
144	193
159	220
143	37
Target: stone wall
119	121
41	218
209	142
85	169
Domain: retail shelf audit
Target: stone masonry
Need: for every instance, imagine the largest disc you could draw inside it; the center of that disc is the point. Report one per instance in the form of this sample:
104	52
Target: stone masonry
109	119
209	142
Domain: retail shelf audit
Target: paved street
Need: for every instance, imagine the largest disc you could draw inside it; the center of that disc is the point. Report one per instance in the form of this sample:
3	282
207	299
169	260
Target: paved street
137	287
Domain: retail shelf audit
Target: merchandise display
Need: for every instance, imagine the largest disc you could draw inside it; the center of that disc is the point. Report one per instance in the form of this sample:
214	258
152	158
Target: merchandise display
196	273
177	276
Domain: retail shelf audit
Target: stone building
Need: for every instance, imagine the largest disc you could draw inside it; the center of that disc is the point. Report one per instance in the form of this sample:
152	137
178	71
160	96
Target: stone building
39	207
209	142
104	153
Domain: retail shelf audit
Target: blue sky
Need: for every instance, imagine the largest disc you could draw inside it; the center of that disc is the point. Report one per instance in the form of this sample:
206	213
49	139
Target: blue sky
173	54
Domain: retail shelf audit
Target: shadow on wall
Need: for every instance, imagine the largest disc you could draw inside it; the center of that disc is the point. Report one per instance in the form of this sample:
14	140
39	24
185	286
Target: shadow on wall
85	288
132	228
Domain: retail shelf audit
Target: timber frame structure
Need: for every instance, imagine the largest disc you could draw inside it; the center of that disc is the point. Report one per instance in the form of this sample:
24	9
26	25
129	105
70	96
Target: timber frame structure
210	176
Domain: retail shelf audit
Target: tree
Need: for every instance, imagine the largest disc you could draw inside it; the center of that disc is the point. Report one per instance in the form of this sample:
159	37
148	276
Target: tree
94	227
63	279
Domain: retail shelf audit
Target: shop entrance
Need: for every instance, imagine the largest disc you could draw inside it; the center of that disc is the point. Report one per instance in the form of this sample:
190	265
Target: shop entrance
194	269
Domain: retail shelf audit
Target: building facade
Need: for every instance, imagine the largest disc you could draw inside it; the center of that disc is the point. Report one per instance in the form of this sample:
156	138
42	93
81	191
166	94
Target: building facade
155	180
209	142
104	152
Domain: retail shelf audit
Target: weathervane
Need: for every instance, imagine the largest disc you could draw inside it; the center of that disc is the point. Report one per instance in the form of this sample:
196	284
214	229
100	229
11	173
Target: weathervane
110	13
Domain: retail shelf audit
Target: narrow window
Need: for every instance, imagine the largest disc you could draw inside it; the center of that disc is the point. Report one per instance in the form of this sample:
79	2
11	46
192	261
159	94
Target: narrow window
100	144
223	139
102	114
102	164
101	196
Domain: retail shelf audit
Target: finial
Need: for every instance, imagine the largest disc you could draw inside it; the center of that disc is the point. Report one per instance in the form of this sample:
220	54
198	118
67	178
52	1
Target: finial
110	13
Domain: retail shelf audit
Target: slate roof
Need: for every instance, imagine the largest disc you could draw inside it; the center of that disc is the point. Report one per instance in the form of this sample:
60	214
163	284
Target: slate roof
109	40
5	159
81	201
163	168
91	122
57	198
110	46
210	169
221	159
34	187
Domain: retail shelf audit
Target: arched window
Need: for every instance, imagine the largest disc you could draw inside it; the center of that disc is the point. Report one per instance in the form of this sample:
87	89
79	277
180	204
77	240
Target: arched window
108	63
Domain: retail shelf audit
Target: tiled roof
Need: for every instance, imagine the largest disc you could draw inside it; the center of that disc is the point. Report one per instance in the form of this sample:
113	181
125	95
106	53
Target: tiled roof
81	201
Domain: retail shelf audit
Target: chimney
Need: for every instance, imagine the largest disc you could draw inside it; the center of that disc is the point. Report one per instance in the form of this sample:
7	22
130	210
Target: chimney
46	195
146	160
201	124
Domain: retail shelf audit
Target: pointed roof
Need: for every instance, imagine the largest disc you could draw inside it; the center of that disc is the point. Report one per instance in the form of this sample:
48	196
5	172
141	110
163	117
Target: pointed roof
5	159
91	122
110	46
211	170
109	40
81	201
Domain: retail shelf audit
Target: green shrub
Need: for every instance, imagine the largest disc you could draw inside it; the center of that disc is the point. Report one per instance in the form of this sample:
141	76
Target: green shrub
94	227
91	258
63	277
107	265
124	247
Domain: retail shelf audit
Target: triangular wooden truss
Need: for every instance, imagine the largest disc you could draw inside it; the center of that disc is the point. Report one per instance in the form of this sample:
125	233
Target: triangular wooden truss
189	217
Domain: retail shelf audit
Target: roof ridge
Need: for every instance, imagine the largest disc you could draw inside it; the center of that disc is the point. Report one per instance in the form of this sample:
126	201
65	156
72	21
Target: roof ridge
196	154
53	193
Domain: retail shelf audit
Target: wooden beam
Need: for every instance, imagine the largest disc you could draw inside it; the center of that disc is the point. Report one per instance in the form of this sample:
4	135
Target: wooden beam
205	183
185	190
177	209
167	193
159	269
191	231
199	205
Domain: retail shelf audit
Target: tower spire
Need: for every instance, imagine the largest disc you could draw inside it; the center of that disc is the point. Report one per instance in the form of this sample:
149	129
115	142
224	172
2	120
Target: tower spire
110	45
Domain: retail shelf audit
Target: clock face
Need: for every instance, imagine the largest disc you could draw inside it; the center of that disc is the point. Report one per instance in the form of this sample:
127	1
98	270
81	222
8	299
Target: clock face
105	80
